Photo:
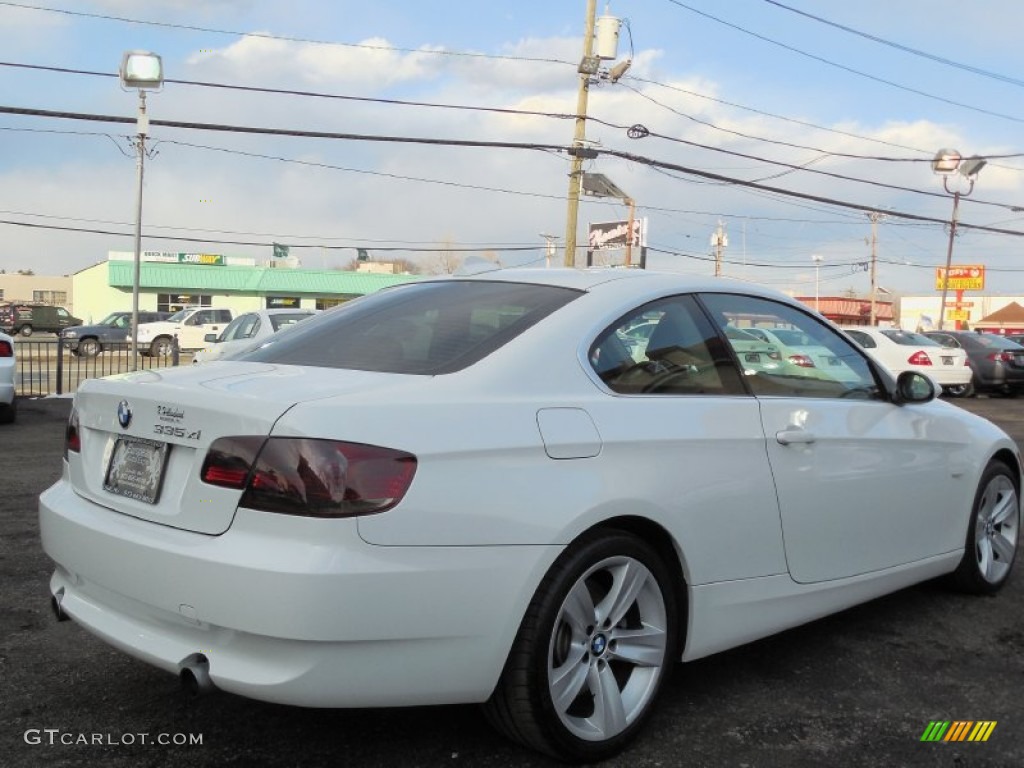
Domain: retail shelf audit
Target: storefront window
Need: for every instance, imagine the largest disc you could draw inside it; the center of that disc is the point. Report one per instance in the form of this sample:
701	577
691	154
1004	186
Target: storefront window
172	302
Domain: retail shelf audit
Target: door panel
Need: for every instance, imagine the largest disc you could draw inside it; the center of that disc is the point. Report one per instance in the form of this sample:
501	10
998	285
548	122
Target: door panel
862	484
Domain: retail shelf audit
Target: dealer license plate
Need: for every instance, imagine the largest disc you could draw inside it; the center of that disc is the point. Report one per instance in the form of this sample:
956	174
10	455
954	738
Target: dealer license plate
136	469
947	360
752	357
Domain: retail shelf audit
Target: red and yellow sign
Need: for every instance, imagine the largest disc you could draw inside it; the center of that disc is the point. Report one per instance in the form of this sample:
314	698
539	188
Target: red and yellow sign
965	277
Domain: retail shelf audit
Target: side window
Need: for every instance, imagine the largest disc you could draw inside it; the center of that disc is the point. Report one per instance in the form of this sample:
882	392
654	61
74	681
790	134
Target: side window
815	361
231	331
249	328
667	347
862	338
61	312
946	341
220	316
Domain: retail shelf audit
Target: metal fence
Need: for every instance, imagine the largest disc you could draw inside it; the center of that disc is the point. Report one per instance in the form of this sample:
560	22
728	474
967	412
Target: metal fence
45	367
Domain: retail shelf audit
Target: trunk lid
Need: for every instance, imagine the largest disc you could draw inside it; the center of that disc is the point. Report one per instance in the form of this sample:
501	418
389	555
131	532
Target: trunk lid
144	435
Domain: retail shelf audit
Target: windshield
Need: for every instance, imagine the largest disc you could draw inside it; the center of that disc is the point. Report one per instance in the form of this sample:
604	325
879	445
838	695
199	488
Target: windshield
422	328
117	319
178	316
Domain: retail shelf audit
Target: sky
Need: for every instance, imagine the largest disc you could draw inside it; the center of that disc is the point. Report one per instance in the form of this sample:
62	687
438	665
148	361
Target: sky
804	125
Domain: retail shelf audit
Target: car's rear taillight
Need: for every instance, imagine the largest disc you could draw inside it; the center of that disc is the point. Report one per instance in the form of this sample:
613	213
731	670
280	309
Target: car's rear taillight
802	360
72	440
919	358
1001	357
6	349
310	477
229	461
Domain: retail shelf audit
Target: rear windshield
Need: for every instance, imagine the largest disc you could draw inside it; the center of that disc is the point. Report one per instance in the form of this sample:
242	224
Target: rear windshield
422	328
908	339
992	341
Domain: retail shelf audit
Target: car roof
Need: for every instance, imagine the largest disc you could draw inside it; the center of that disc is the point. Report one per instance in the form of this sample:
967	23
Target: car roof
591	278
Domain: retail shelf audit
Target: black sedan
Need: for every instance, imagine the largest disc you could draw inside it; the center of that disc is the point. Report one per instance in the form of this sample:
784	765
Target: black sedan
109	333
997	362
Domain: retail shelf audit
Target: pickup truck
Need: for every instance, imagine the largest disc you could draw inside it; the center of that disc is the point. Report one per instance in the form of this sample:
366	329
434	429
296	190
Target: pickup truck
189	325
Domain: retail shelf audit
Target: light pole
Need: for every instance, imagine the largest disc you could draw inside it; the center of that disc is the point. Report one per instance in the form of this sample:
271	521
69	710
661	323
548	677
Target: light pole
817	259
143	71
946	163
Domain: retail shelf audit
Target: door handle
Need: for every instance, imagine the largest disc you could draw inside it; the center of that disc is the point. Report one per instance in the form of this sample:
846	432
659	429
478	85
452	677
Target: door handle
795	435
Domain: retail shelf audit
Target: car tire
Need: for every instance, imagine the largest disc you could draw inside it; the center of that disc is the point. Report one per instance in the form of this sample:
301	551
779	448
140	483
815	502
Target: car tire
8	412
593	649
960	390
991	546
88	347
161	347
26	330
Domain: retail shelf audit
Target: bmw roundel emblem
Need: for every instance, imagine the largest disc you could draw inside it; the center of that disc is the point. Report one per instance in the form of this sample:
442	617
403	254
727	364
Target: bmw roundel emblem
124	414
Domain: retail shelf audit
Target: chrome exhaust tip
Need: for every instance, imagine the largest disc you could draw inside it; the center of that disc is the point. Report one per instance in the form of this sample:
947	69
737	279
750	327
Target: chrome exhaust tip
195	675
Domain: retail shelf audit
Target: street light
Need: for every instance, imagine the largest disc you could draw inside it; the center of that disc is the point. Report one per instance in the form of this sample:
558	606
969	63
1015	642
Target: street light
142	71
599	185
946	163
817	259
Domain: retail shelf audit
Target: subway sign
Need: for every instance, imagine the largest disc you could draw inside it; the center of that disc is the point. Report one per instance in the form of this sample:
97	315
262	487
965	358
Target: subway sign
202	259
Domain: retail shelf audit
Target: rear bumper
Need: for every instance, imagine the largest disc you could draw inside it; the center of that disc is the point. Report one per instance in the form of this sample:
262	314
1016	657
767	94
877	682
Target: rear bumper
949	376
293	610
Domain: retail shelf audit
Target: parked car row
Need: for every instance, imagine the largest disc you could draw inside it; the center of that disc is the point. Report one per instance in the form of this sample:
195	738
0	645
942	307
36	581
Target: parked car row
900	350
211	332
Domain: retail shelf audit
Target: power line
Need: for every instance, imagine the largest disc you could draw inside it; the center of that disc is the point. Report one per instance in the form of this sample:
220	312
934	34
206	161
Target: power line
310	94
904	48
845	68
639	159
591	201
290	39
330	247
351	242
791	145
525	112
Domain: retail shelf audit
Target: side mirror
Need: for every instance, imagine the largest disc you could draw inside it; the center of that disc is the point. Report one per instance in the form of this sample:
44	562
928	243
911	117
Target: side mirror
914	387
210	338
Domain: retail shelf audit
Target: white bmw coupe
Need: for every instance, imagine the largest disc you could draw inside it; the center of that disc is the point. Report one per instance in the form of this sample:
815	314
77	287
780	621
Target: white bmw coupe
472	489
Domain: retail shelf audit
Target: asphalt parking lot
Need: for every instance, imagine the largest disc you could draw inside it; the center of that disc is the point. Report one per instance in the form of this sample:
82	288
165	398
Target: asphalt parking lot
856	689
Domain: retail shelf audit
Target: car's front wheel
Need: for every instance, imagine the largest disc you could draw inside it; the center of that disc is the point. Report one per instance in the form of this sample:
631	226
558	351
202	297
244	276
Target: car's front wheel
26	330
161	347
991	545
592	651
88	347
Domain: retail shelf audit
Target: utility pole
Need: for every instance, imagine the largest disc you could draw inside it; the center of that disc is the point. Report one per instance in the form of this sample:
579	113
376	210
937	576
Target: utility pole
875	217
549	248
719	241
580	134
